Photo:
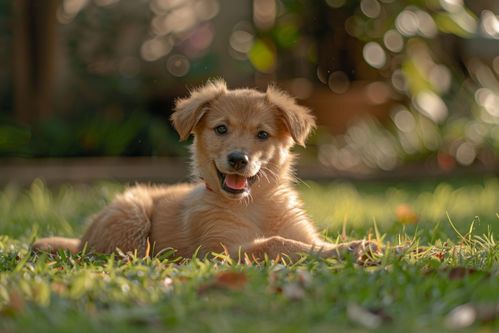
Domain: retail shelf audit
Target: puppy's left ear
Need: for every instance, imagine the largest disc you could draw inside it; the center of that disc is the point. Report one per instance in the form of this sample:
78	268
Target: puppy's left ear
190	110
298	119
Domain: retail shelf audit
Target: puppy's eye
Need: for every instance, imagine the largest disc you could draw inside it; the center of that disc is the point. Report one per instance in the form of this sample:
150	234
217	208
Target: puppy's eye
262	135
221	130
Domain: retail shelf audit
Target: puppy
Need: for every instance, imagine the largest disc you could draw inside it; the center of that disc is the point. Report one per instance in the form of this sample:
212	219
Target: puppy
243	201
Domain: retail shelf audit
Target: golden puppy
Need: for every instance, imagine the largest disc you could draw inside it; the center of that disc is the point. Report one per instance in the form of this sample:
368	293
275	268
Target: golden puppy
243	202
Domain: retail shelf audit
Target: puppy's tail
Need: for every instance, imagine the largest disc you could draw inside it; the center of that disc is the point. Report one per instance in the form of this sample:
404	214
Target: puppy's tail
53	244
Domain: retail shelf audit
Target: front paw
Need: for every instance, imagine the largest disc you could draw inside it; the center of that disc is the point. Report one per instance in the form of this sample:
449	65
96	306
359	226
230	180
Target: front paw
364	251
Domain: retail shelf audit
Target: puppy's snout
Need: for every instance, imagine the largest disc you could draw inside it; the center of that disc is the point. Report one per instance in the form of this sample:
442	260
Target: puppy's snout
238	160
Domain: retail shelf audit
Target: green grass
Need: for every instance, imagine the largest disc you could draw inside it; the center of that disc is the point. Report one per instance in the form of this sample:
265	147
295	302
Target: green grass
454	260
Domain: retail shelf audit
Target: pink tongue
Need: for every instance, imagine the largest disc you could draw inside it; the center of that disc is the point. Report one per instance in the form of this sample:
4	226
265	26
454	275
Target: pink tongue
235	182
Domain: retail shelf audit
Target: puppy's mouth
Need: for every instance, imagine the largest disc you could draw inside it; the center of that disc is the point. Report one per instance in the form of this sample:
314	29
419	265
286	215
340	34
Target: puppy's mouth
235	183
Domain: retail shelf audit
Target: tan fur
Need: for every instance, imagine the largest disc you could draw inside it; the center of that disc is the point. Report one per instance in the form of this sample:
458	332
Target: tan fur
268	219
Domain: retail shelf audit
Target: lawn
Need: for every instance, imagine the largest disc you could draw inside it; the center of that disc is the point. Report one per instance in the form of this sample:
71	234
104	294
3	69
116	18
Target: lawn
446	279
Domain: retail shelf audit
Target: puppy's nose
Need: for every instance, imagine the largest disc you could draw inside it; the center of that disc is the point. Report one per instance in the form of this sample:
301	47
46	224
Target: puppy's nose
238	160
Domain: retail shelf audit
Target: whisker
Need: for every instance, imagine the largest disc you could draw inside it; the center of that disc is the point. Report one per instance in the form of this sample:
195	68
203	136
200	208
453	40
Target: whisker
269	172
248	200
272	172
301	181
264	174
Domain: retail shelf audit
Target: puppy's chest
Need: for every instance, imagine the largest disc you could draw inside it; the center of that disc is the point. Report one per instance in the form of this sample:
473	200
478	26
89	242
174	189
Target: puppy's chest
242	223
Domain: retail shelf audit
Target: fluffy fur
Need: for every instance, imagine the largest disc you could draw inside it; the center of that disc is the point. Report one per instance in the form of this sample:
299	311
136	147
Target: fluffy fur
243	200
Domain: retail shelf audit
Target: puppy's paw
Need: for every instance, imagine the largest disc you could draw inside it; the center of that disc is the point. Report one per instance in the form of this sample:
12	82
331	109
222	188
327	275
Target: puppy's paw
365	251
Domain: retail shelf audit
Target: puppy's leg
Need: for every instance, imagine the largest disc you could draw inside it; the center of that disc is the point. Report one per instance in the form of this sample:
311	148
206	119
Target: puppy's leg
276	245
53	244
124	224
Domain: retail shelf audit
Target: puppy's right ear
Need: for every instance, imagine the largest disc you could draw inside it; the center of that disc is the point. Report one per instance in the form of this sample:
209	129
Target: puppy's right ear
188	111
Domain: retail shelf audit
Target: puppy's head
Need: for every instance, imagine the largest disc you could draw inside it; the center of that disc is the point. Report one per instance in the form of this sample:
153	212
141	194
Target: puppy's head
241	137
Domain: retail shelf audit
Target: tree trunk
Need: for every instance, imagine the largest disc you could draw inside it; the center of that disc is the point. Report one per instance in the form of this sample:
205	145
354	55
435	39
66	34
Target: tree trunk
35	34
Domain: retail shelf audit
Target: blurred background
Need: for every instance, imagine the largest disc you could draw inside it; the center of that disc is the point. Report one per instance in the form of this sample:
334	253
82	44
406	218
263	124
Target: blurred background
406	87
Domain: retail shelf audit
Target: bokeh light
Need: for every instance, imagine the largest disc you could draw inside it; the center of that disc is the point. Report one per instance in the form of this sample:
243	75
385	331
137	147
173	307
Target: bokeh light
431	105
404	120
105	3
393	41
407	22
378	92
241	41
262	55
452	5
178	65
490	24
206	9
489	100
180	19
156	48
465	153
264	13
336	3
182	23
69	9
426	25
370	8
374	55
338	82
398	81
418	80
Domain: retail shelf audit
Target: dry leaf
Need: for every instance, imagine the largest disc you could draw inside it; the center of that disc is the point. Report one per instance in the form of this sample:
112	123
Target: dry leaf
457	273
293	291
363	317
467	314
461	317
231	280
304	277
226	280
15	305
58	288
406	215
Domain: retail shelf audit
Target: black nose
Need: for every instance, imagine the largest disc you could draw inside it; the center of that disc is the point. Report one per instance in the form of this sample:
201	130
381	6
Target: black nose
238	160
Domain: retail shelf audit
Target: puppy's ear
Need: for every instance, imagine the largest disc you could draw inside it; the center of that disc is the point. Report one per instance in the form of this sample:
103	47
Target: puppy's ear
188	111
298	119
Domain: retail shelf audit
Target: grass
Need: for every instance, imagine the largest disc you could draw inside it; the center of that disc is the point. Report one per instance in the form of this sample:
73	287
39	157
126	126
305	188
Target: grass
453	261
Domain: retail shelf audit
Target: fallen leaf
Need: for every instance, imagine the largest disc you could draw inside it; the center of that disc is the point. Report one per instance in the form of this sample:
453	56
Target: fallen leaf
439	254
385	317
58	287
466	315
304	277
226	280
363	317
293	291
231	280
291	284
406	215
15	304
457	273
461	317
487	312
